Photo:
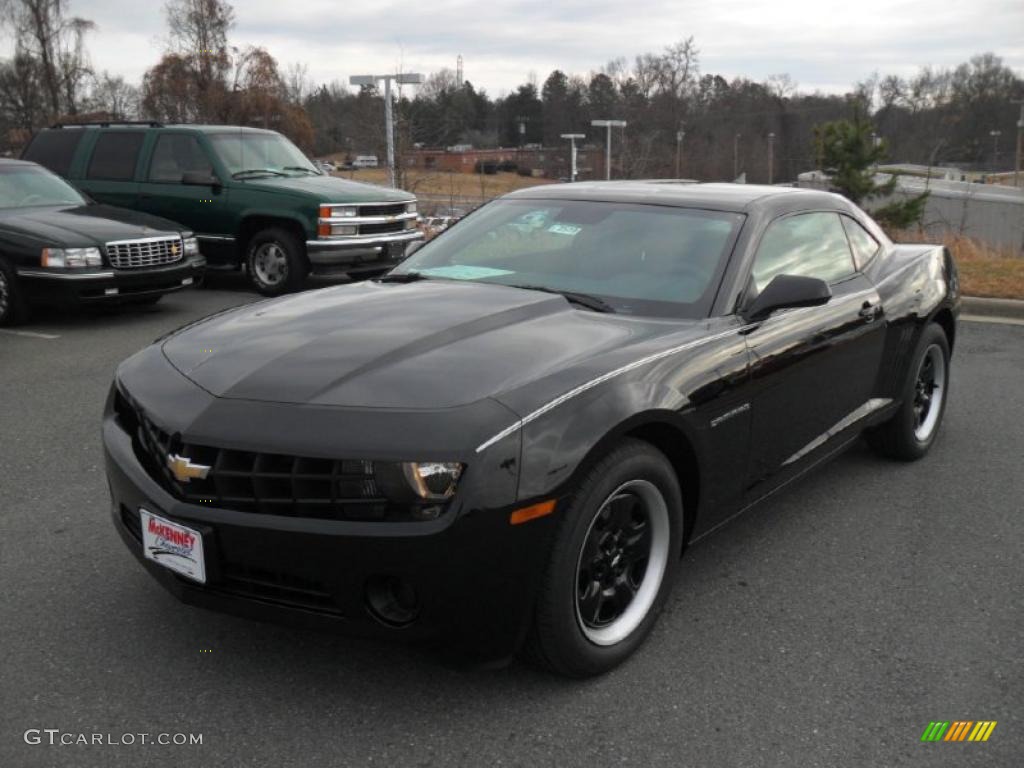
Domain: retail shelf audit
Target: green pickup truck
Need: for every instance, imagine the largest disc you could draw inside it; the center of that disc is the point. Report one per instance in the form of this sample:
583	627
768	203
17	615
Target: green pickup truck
250	195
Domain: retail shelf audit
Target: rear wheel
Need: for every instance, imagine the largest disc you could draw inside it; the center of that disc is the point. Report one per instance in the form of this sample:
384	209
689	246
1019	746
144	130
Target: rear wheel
909	434
275	262
612	564
13	309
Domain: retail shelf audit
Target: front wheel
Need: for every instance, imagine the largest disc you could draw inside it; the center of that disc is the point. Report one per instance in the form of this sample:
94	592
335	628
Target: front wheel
612	563
909	434
275	262
13	309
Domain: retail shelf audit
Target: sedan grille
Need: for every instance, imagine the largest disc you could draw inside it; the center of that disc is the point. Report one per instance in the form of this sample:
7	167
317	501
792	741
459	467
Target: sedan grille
265	483
148	252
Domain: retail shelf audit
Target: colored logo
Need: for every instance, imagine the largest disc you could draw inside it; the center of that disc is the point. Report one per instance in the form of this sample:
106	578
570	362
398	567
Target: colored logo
184	470
958	730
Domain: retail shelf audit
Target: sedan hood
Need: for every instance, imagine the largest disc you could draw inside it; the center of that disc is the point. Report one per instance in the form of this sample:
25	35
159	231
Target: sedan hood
82	225
430	344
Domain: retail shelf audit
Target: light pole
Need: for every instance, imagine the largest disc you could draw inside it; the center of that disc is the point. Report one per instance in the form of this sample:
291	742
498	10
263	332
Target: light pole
608	125
995	148
736	157
408	78
1020	146
771	156
680	135
572	144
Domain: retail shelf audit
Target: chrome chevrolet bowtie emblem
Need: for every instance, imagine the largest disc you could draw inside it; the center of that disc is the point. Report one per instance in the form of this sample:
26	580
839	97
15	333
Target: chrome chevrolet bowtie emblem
184	470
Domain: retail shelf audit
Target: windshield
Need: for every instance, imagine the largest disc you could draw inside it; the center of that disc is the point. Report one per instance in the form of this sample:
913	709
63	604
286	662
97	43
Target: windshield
269	153
22	186
637	259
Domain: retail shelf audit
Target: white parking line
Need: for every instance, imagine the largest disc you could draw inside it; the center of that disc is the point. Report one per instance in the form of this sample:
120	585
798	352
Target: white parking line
992	319
30	334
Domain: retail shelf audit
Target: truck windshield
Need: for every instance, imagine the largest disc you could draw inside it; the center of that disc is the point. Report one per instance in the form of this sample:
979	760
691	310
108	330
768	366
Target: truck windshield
254	153
24	186
631	258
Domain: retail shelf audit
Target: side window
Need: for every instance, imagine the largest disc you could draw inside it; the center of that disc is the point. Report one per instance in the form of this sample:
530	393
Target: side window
863	244
808	244
174	155
54	149
114	156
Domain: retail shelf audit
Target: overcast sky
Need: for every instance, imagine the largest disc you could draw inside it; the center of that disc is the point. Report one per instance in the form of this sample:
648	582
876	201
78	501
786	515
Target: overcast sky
821	45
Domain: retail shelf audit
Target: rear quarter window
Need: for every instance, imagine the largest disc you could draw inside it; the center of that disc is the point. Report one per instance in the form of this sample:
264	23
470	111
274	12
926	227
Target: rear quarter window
54	149
114	156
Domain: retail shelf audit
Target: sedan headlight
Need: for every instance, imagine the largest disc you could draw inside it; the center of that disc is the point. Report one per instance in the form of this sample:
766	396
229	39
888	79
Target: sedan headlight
71	258
432	480
191	246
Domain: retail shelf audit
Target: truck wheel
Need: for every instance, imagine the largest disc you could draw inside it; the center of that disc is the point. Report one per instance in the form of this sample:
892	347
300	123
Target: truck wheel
612	563
12	303
275	262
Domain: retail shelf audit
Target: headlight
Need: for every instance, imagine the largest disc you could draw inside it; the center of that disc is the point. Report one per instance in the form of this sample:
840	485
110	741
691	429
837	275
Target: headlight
344	229
432	480
410	207
71	258
191	246
328	211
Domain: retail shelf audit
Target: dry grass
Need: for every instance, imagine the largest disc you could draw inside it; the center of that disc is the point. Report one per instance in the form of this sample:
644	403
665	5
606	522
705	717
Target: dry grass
445	184
987	271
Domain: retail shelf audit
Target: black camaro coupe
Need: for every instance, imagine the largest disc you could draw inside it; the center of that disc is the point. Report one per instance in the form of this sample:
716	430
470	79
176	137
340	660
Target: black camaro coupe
508	441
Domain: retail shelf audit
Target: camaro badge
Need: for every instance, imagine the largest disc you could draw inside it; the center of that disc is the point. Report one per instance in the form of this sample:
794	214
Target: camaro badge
184	470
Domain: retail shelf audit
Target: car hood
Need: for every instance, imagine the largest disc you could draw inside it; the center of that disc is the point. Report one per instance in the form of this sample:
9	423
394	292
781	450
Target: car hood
329	189
430	344
83	225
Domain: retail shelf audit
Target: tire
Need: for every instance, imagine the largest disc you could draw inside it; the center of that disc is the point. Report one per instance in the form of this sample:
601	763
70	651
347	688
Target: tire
911	431
275	262
13	309
600	596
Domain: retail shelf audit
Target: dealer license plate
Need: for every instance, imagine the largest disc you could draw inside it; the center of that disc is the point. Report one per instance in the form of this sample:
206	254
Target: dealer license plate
173	546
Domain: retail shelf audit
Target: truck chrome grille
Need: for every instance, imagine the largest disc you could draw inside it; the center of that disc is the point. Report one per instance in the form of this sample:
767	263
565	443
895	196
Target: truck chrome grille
382	209
146	252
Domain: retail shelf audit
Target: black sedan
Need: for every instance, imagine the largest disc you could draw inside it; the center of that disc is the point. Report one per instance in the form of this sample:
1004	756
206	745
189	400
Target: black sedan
507	442
58	247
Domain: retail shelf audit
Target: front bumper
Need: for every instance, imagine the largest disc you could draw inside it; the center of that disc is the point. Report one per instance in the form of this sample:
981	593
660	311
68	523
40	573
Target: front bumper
359	252
110	285
474	575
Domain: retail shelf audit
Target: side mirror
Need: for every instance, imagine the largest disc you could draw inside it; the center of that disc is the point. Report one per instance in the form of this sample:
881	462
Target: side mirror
200	179
785	291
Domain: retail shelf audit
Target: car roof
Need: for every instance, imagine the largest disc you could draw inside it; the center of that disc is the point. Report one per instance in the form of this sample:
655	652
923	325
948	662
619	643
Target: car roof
203	128
685	194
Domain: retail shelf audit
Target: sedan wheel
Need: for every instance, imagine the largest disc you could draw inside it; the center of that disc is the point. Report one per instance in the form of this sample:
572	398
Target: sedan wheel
12	305
617	544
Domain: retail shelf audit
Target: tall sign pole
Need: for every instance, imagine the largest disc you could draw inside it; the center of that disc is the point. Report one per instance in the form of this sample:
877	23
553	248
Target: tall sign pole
408	78
608	125
572	149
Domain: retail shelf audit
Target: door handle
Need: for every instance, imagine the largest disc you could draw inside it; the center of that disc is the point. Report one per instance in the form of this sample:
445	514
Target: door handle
869	312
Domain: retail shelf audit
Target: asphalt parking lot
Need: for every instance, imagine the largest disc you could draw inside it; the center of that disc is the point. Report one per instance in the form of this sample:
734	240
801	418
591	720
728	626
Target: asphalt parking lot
826	628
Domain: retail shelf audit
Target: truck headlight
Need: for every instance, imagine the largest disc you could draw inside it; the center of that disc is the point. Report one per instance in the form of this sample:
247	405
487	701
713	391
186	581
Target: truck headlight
432	480
410	207
71	258
191	246
328	211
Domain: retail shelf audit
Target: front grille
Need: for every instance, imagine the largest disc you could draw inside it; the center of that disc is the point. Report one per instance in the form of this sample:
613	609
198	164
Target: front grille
263	483
377	229
148	252
382	209
269	586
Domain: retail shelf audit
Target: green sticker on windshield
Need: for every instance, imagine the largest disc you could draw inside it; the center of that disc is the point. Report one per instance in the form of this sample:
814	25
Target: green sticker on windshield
564	229
464	272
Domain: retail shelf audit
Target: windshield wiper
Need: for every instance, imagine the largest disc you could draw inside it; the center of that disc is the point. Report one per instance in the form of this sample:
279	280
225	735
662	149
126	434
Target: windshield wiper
247	171
580	299
303	168
402	277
